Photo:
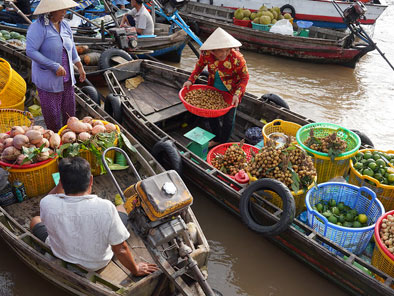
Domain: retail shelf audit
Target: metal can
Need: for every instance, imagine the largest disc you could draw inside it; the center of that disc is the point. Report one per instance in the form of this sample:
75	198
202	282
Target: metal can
19	190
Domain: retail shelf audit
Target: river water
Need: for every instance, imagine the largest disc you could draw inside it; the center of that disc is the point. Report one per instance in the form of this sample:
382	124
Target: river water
241	262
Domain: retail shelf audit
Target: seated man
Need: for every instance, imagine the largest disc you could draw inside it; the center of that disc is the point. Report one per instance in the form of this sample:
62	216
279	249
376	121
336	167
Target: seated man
141	16
82	228
11	16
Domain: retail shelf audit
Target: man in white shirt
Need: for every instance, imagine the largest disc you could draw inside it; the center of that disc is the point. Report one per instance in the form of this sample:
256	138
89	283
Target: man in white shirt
82	228
141	17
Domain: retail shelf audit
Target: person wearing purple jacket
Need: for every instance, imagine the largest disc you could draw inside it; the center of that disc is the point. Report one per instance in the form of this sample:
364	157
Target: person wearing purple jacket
50	45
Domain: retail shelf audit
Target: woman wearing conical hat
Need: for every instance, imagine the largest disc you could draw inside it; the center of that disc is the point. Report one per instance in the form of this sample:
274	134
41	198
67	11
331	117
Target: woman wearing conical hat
50	45
227	72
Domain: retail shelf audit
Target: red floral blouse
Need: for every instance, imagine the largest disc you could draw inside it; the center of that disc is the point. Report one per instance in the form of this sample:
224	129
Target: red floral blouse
233	71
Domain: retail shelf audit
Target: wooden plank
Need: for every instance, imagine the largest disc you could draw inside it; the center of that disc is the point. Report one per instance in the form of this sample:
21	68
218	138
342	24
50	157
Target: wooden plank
166	113
139	102
114	274
170	94
143	92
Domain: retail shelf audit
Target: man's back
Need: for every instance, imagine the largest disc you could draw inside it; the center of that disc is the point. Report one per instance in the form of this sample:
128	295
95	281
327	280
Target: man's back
143	20
81	229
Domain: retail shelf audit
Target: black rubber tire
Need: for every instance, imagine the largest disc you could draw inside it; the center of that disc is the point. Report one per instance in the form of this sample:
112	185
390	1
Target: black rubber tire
288	6
194	27
113	106
105	57
287	216
92	93
278	100
365	140
173	159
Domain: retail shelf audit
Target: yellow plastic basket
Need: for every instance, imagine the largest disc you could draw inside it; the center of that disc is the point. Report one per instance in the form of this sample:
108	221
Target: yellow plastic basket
12	85
327	169
90	157
37	180
280	126
385	193
18	106
380	259
12	117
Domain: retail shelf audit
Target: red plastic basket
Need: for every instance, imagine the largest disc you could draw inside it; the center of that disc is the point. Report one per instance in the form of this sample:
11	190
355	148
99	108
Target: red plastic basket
242	23
25	166
205	112
222	148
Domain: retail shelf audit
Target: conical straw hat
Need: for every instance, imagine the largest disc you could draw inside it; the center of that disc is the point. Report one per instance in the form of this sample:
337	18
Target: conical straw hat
46	6
220	39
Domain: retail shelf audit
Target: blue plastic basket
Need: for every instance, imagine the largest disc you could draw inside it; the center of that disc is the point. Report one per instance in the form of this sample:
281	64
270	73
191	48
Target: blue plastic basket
362	199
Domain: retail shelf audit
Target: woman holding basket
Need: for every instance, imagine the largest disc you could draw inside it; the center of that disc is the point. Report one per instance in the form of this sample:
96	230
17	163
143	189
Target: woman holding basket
227	72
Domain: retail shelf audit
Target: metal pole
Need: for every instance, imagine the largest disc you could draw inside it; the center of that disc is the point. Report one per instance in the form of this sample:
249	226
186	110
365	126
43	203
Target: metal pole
86	19
18	11
107	7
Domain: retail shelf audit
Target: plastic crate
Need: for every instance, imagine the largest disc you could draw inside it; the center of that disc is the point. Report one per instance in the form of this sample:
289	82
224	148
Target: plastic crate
326	168
12	117
12	85
19	106
261	27
362	199
242	23
228	98
90	157
222	148
280	126
381	257
385	193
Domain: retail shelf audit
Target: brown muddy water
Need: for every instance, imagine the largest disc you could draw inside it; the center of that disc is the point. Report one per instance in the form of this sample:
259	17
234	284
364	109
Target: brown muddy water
241	262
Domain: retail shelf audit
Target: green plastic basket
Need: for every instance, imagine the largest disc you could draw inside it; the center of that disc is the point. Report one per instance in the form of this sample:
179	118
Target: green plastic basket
325	167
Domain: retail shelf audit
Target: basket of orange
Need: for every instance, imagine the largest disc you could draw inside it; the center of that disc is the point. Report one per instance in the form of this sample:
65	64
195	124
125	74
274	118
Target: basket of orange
206	101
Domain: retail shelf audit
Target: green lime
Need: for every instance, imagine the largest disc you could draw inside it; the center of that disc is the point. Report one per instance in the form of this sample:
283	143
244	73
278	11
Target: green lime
332	219
349	217
376	155
368	172
332	203
380	162
341	206
358	166
367	155
356	224
390	178
346	208
353	212
373	166
378	176
319	207
339	223
362	218
348	224
341	218
382	171
359	155
327	214
335	210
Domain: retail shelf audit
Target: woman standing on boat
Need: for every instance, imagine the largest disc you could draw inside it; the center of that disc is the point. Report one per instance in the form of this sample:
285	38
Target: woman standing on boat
227	72
50	45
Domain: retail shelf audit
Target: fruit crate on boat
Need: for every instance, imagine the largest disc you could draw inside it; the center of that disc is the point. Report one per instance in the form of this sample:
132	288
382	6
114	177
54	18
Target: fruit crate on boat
242	23
13	117
280	126
363	200
327	168
384	192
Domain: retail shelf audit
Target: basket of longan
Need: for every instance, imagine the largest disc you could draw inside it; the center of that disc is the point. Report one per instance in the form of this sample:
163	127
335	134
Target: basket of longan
206	101
331	146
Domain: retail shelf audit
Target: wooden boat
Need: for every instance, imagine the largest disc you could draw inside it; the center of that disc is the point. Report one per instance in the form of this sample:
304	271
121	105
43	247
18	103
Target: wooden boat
322	45
114	279
154	113
321	13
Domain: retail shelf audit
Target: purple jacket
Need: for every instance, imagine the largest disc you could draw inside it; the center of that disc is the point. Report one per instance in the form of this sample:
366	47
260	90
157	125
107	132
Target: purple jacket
44	45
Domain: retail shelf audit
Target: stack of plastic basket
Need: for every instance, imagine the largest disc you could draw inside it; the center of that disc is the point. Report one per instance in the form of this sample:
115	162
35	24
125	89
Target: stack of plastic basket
362	199
327	168
12	117
12	87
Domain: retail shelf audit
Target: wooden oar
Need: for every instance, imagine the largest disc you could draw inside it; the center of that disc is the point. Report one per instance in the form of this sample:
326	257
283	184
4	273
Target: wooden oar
18	11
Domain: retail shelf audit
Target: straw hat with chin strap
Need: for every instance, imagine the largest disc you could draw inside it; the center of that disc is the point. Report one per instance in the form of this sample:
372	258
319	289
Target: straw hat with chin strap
220	39
46	6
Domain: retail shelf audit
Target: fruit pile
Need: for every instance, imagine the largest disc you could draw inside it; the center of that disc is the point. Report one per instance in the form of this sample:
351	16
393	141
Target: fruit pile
288	164
263	16
233	160
341	214
373	164
330	144
206	99
387	233
27	145
13	38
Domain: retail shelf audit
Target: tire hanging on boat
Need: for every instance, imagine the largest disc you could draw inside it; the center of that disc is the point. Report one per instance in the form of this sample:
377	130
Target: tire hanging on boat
194	27
105	58
113	106
291	8
276	99
167	154
365	140
286	217
92	93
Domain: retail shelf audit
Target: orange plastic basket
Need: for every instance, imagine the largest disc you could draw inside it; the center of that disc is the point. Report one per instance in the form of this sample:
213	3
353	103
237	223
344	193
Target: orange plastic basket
205	112
381	257
90	157
12	117
37	177
385	193
222	148
12	85
280	126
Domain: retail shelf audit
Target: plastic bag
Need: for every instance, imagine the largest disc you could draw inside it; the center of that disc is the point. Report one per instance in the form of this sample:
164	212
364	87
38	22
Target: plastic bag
3	179
283	27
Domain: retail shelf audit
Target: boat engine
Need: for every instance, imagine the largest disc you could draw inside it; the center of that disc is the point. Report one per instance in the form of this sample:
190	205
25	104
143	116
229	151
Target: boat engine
125	37
355	12
156	207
